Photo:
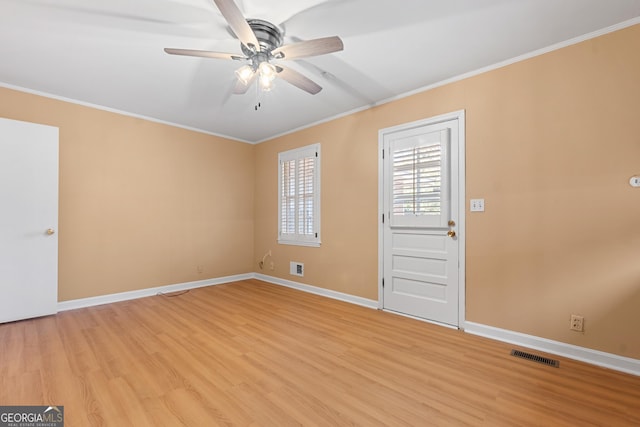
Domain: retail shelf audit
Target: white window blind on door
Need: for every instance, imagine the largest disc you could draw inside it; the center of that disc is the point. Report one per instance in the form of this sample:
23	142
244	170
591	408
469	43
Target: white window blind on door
417	180
299	196
420	187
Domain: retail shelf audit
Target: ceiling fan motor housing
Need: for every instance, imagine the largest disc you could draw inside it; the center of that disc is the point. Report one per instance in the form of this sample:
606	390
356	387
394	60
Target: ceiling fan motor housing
269	36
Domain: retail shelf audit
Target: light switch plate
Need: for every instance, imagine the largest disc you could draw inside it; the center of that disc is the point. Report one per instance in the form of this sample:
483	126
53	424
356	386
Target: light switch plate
477	205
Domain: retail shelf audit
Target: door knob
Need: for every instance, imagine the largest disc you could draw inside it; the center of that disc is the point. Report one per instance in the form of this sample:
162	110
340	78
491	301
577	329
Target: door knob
50	231
451	233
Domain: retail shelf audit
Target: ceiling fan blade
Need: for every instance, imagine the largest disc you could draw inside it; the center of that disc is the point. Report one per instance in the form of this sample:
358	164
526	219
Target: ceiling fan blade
241	88
298	80
237	22
202	53
307	48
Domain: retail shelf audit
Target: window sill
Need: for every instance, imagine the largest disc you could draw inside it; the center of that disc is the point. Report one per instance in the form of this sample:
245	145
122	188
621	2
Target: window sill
299	243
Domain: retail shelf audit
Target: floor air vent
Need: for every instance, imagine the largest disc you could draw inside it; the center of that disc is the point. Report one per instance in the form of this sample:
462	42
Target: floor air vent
534	358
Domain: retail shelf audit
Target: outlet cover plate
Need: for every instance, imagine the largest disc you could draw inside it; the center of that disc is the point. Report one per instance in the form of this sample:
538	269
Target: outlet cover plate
577	323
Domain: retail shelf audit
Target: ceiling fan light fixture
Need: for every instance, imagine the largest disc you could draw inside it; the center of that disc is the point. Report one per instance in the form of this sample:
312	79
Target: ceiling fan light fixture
245	73
267	70
267	74
266	82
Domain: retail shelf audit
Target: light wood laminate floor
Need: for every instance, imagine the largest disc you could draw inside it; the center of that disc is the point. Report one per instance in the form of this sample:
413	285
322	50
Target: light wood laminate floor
255	354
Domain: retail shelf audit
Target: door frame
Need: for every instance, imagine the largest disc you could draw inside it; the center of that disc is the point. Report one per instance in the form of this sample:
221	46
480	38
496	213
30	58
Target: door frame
462	206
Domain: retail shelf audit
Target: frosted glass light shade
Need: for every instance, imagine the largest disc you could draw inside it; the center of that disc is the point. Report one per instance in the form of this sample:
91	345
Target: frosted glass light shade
244	74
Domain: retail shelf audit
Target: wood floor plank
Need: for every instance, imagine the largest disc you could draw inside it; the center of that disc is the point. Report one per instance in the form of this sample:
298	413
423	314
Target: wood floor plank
256	354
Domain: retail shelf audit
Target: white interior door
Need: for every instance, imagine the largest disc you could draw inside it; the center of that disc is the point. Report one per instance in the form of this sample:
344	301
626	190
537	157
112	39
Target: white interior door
421	214
28	220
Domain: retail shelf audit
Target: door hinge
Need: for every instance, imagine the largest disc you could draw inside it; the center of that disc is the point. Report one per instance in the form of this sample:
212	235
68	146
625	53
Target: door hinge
383	282
383	218
383	154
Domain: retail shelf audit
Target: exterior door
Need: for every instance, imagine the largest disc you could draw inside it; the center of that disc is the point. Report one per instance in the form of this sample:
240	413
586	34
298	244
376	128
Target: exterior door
28	220
421	215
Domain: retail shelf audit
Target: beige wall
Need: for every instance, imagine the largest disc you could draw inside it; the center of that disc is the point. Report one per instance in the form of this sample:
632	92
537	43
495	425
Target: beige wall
143	204
551	145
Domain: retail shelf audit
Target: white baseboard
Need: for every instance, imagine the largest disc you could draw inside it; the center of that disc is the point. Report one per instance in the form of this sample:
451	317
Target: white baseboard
594	357
125	296
318	291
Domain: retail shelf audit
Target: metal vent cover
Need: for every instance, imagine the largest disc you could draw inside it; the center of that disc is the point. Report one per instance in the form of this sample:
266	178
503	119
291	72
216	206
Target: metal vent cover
535	358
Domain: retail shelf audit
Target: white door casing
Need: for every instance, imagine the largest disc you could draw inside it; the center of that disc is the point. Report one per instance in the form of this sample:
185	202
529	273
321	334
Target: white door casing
421	234
28	220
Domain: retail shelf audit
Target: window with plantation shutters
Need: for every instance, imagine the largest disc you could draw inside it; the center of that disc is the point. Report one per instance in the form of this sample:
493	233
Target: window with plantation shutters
419	193
299	196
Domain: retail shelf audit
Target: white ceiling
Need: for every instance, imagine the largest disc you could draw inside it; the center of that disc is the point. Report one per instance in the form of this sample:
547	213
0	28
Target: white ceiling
109	53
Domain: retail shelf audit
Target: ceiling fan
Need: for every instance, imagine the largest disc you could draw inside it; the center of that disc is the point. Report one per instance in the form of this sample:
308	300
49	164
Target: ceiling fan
261	42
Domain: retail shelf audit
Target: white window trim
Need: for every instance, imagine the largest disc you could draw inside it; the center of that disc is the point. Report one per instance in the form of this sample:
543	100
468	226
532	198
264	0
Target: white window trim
297	239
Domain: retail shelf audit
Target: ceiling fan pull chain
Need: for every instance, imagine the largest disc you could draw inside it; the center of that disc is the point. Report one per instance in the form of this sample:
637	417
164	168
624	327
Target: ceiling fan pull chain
257	104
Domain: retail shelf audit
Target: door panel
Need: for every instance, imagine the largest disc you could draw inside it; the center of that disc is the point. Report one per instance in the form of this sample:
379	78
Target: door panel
29	195
419	289
424	267
420	192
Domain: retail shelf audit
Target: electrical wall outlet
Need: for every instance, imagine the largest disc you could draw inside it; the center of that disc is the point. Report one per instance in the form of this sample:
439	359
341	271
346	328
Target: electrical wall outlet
577	323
